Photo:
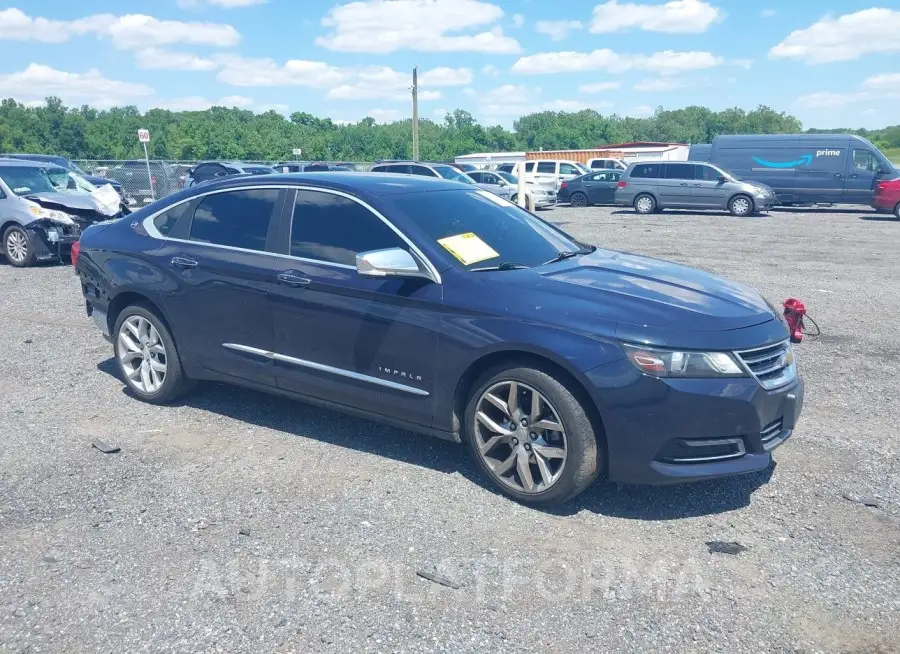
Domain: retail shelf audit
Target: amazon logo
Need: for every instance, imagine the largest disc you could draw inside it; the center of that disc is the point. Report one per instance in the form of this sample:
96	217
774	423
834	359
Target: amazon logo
805	160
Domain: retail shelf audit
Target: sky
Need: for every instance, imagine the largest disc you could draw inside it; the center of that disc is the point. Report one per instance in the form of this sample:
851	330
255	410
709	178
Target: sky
831	64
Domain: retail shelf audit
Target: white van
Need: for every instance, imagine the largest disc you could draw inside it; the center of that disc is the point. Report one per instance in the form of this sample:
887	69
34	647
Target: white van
549	172
606	164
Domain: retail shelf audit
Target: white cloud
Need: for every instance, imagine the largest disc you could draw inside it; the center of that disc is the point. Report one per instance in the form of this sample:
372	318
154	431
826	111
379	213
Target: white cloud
844	38
388	84
199	103
666	62
490	70
883	82
827	99
599	87
131	31
425	25
746	64
768	13
518	20
224	4
158	59
386	115
444	76
36	82
678	16
641	111
558	30
239	71
663	84
513	100
439	113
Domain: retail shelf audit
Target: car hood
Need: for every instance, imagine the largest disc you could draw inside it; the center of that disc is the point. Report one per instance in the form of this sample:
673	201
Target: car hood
625	289
81	205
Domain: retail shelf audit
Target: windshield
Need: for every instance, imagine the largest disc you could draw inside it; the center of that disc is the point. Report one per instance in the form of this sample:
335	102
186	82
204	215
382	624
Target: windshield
480	229
448	172
75	169
509	177
26	179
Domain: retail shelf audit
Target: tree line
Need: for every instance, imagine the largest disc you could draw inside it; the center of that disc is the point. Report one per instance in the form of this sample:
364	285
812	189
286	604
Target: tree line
231	133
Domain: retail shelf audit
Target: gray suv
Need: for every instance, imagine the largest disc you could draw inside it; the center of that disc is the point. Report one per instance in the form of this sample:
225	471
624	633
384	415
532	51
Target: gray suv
653	186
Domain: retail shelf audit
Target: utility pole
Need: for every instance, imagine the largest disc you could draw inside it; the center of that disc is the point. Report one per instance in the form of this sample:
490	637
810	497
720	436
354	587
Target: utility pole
415	116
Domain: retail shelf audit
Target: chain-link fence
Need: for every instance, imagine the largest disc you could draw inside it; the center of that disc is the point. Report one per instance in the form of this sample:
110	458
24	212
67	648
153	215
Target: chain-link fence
141	186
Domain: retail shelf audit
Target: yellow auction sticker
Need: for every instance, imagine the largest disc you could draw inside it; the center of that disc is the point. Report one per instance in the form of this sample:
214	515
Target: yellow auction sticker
468	248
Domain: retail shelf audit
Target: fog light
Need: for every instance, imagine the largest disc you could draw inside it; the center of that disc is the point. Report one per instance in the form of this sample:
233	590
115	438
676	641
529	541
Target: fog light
52	235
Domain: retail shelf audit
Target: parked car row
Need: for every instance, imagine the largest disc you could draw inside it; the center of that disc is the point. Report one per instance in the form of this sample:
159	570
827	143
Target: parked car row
431	305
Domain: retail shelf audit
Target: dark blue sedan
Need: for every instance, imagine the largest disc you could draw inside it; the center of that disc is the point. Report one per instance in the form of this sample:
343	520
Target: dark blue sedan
441	308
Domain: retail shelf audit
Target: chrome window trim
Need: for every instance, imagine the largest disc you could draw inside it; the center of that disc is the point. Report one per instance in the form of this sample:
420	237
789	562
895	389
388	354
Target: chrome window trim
325	368
150	228
739	442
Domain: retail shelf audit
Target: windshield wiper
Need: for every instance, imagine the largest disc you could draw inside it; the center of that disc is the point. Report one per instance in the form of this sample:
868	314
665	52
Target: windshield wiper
568	254
506	265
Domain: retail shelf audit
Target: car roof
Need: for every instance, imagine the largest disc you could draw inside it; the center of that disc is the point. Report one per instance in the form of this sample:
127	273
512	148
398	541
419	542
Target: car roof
351	182
28	163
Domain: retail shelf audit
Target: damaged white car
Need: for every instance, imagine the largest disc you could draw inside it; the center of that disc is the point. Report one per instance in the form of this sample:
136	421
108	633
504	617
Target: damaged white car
44	209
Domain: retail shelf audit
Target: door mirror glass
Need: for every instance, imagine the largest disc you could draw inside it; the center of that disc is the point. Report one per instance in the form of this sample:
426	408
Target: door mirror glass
392	262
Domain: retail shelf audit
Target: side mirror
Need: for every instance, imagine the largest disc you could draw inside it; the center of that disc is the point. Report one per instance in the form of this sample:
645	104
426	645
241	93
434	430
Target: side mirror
722	178
392	262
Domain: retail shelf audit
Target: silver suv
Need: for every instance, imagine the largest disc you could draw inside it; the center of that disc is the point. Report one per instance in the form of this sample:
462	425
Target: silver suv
653	186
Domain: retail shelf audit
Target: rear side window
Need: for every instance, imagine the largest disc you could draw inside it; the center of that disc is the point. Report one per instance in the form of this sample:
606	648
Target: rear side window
679	171
167	220
646	170
238	219
332	228
546	167
529	167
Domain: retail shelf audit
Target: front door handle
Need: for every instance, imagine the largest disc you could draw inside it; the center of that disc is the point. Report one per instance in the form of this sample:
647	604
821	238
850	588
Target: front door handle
290	278
838	175
683	184
183	262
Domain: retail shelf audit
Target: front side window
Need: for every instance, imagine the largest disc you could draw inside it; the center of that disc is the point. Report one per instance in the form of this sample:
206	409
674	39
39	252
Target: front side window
421	171
529	167
568	169
509	177
646	170
515	235
451	173
865	160
546	167
707	173
237	219
23	180
334	229
481	178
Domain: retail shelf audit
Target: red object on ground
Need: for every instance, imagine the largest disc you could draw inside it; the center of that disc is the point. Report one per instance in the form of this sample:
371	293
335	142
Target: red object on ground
794	311
76	248
887	196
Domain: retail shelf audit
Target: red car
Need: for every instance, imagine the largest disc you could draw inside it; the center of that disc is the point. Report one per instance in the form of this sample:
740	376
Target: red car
887	196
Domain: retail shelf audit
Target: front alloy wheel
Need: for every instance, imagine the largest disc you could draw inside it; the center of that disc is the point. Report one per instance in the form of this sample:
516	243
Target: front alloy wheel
17	246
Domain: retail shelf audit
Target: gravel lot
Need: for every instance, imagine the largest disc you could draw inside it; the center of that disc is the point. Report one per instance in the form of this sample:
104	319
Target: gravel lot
143	550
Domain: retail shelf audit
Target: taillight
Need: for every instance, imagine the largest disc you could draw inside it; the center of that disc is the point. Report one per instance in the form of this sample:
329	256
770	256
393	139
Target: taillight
563	185
621	184
153	180
76	248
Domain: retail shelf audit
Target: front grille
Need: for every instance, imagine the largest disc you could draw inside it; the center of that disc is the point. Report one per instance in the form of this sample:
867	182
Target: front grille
772	365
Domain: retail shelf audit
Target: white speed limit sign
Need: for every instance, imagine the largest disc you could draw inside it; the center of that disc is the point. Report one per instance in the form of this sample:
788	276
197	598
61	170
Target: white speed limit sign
144	135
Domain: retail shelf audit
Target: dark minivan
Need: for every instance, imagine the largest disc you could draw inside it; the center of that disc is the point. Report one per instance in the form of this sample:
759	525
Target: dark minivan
444	309
803	168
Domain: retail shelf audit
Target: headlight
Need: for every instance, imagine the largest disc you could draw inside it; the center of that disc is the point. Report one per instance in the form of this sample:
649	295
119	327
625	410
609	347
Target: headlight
50	214
678	363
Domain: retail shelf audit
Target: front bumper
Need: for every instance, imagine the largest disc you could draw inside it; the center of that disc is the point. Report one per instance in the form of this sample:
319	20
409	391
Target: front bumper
764	203
673	430
544	202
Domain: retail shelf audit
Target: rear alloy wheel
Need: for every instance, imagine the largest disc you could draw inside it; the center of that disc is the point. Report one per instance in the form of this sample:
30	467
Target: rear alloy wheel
146	355
18	248
740	206
644	204
531	436
578	200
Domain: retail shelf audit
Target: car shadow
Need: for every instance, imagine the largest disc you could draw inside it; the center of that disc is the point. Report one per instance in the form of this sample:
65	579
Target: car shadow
605	498
881	218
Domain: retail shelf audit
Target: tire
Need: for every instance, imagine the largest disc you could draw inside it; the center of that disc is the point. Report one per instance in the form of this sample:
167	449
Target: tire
644	203
173	382
741	206
18	247
578	200
897	210
554	479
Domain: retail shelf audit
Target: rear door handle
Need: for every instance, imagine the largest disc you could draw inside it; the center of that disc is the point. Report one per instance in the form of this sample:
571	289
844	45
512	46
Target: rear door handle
290	278
839	175
183	262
